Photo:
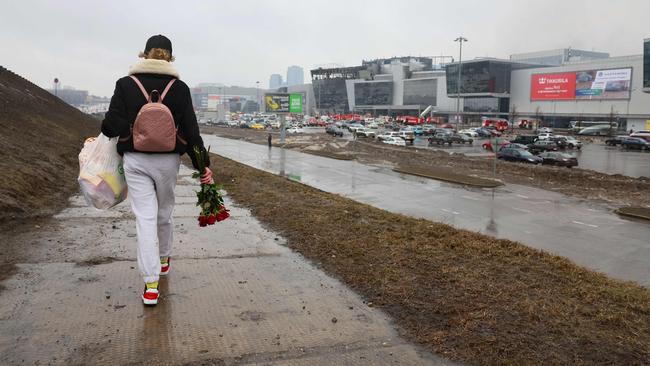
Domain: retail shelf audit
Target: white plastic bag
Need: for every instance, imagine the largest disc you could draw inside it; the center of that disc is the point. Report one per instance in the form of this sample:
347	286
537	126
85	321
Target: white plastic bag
101	175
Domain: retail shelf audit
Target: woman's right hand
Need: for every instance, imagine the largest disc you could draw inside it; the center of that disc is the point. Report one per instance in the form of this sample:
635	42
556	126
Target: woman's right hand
206	178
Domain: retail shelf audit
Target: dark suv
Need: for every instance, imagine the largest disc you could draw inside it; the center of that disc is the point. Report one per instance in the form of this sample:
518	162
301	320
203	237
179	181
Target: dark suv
461	138
335	131
542	145
616	140
441	138
635	143
525	139
518	155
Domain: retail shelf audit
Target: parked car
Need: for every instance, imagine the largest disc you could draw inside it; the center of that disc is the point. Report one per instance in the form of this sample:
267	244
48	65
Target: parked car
560	141
544	130
387	135
544	136
519	155
461	138
429	129
513	145
408	136
333	130
493	131
417	130
257	126
525	139
573	143
558	158
393	126
542	145
469	132
295	130
635	143
366	132
614	141
397	141
487	145
352	127
441	139
483	132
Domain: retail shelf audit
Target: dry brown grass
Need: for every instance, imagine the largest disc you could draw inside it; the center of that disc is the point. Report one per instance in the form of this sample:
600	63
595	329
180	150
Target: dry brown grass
464	295
40	141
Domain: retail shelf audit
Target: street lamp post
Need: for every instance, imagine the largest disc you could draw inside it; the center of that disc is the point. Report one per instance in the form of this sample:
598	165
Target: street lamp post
460	40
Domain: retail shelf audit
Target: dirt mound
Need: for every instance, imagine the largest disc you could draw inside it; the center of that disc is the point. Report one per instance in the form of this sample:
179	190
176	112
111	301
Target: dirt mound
40	140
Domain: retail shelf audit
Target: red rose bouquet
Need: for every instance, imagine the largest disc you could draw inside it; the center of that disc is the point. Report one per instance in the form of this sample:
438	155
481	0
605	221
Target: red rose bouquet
208	198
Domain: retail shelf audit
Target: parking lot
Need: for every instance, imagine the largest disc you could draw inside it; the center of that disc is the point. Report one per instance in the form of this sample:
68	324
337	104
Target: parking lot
593	155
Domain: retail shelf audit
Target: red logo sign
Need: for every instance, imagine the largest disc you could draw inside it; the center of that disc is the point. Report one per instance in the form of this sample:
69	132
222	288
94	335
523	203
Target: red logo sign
553	86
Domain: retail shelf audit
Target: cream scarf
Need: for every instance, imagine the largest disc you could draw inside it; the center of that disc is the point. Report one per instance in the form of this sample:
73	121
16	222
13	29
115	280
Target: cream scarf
151	66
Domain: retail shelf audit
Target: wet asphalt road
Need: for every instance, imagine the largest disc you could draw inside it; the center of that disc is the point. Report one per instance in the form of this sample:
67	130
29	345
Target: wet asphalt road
587	233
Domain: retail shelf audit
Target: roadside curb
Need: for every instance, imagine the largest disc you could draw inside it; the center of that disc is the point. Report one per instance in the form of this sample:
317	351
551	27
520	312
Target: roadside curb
636	212
325	154
448	176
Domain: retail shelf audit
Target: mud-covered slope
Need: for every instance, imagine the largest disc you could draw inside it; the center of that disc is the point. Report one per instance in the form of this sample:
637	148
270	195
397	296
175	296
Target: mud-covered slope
40	138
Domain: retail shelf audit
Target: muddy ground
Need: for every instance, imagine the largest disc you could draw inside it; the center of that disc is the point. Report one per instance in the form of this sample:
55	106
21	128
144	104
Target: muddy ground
40	141
617	190
466	296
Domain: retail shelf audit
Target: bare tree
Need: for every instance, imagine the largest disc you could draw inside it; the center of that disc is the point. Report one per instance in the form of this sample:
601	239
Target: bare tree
513	115
611	118
538	116
578	125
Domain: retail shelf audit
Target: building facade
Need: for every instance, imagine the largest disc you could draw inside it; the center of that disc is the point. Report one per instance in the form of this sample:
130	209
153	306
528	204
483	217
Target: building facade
646	65
394	86
557	86
558	57
595	90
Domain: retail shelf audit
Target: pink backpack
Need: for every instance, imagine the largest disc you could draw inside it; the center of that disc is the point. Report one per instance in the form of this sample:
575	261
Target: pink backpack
154	129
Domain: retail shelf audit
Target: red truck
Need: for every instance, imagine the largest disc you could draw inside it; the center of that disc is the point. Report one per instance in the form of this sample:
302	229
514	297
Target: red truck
499	124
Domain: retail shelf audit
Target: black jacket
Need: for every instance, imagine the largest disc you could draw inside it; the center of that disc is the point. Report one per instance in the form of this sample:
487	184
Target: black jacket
128	99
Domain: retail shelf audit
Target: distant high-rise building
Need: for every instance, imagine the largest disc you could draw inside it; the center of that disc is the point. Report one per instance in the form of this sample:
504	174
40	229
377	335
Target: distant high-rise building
275	81
295	75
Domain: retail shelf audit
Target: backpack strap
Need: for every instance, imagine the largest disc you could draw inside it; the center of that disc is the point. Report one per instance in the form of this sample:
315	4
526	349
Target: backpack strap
144	91
169	85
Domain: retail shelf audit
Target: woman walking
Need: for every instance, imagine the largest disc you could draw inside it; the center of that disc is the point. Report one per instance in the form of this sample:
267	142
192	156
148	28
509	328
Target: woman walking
152	114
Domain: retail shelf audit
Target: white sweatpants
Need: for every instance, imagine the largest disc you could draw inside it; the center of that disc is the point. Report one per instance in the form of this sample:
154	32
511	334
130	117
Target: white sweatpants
151	179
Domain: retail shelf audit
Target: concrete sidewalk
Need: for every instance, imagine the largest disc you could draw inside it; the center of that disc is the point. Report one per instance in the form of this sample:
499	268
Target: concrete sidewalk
235	296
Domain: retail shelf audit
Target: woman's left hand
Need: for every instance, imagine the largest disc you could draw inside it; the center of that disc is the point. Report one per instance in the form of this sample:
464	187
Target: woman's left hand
206	178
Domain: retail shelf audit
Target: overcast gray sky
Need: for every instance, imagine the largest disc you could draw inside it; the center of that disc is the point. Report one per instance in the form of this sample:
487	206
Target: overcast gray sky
89	44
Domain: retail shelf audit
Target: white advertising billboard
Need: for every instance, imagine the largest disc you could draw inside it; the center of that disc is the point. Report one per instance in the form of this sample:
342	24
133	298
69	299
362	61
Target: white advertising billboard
603	84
